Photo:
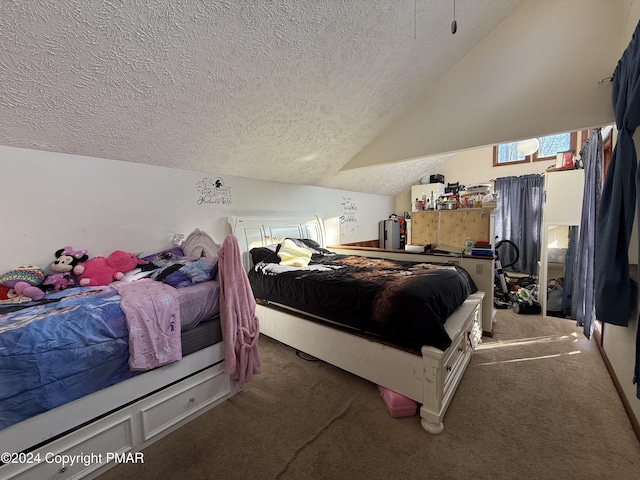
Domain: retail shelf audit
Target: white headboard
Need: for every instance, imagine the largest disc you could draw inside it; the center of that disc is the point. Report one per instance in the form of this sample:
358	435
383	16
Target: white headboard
254	232
200	244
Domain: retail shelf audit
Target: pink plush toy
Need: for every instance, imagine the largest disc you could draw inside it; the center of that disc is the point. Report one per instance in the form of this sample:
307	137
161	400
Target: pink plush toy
24	281
104	270
23	289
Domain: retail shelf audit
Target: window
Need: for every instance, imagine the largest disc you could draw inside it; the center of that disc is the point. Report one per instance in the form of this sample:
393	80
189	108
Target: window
550	145
507	153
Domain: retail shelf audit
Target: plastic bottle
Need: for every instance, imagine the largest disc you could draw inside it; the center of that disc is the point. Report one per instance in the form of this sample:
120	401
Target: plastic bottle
468	246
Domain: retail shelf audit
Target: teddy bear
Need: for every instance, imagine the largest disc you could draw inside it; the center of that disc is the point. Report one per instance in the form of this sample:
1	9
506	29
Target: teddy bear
104	270
61	276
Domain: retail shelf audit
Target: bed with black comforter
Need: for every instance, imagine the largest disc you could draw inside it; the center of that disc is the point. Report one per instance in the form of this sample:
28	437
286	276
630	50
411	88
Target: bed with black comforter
406	303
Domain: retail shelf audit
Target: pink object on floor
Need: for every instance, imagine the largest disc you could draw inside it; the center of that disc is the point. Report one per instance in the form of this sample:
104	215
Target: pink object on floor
398	405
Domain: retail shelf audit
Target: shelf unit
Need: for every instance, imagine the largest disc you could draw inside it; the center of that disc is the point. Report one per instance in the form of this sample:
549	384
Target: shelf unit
418	191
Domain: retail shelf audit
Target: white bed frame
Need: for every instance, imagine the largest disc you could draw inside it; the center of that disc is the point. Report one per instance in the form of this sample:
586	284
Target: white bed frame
430	379
123	418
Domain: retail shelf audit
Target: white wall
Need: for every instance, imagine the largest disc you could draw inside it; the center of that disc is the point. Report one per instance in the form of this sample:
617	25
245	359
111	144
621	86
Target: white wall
476	166
536	74
50	200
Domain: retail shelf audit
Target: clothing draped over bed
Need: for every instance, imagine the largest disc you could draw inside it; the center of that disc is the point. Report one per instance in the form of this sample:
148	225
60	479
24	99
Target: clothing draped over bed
152	311
239	323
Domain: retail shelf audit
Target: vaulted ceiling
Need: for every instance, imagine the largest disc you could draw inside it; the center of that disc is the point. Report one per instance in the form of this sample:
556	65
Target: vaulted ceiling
315	92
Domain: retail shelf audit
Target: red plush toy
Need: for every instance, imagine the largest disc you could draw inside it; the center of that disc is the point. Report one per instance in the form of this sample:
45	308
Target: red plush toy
104	270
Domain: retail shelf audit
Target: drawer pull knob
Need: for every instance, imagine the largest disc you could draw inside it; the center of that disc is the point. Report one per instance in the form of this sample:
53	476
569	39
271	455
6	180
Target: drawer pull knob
192	400
448	368
63	469
460	349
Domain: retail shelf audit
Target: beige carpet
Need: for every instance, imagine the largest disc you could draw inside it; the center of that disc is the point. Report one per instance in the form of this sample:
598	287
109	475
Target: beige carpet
535	403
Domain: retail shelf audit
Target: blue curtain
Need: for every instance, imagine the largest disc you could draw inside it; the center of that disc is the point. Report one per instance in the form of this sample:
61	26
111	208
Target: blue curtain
569	274
618	201
582	293
519	217
617	204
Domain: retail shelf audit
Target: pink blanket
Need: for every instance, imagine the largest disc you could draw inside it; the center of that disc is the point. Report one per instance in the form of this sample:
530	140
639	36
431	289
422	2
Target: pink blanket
152	312
238	320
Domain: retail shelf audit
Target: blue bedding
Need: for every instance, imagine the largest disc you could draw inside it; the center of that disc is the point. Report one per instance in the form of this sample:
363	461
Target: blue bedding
54	353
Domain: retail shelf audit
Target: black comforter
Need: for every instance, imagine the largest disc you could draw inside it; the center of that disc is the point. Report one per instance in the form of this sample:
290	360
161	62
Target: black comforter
406	303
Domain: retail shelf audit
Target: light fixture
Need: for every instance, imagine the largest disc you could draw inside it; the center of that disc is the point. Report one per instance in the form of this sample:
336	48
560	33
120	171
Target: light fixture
528	147
454	24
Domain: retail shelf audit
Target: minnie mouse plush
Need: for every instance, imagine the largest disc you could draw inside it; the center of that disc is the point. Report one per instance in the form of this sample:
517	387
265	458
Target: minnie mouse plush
62	269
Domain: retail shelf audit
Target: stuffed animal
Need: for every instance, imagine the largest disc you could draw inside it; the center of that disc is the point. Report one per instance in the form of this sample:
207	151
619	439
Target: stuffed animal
23	289
61	276
5	293
104	270
24	281
26	293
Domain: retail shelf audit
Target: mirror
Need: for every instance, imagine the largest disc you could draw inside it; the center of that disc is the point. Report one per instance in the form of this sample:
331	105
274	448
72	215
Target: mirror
556	279
562	213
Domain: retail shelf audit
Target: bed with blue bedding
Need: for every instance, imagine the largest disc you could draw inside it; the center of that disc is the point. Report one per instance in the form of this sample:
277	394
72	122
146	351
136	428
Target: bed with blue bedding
56	352
81	340
74	344
109	368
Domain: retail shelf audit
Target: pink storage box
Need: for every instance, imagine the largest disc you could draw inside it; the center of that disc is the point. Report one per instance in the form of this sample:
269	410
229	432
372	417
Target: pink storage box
398	405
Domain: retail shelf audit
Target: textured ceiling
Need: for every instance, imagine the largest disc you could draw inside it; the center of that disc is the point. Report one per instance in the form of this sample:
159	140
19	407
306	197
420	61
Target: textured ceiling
268	89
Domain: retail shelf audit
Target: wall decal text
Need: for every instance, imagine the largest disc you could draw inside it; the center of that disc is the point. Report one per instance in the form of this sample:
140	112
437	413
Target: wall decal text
213	190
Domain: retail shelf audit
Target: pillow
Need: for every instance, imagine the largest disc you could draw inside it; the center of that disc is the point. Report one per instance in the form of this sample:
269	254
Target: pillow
268	253
293	255
29	273
310	245
264	254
